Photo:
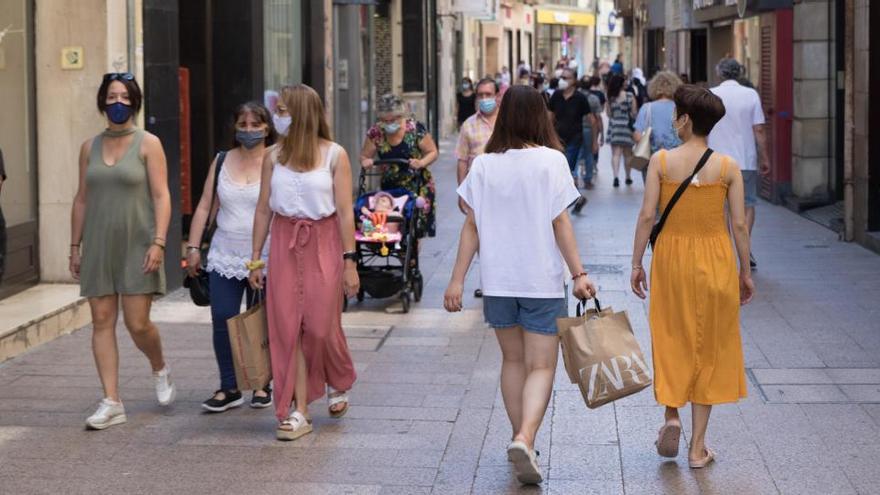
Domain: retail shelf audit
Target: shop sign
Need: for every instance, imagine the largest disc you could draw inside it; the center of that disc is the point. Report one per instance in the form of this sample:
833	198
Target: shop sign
609	23
566	18
473	7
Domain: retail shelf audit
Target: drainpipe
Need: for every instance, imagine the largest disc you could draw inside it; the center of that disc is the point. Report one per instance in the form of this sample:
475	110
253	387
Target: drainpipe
848	123
130	35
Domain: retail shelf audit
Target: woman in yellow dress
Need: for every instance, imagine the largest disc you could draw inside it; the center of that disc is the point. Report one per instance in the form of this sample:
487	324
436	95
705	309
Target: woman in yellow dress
695	284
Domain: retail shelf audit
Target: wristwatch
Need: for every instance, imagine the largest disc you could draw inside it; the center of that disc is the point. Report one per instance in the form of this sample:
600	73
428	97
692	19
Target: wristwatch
350	255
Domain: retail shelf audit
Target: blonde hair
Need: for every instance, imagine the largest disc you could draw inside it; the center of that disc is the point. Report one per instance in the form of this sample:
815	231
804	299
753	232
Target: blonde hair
308	126
663	85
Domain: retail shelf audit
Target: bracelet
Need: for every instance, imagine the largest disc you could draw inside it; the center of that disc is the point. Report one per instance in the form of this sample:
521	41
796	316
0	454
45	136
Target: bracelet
162	246
255	265
579	275
192	248
158	238
75	245
637	267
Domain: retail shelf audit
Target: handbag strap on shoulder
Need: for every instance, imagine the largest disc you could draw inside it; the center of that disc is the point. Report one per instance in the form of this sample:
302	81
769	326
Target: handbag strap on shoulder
655	232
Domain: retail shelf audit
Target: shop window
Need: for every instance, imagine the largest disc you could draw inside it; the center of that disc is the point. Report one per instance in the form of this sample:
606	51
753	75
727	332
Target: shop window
413	38
282	46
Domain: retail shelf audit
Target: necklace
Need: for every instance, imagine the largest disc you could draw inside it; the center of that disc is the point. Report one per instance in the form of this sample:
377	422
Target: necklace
119	133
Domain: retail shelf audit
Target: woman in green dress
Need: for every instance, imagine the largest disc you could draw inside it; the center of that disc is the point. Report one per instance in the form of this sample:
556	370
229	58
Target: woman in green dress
118	225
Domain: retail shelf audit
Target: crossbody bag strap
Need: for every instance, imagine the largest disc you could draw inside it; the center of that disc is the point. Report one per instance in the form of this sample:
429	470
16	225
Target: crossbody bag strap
678	192
212	215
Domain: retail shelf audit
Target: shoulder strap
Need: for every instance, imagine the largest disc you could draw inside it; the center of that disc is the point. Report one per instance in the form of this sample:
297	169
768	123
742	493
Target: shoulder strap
650	115
678	192
212	216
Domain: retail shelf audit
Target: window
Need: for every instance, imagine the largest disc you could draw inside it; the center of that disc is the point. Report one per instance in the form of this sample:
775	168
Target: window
412	35
282	46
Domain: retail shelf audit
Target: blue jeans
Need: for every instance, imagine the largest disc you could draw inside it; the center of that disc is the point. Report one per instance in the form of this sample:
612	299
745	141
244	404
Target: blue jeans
586	154
226	296
572	150
534	315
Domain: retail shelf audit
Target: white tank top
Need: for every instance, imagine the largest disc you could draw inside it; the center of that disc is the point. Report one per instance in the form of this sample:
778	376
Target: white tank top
305	194
232	242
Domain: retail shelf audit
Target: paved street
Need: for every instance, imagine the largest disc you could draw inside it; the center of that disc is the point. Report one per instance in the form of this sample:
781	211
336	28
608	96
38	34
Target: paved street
426	412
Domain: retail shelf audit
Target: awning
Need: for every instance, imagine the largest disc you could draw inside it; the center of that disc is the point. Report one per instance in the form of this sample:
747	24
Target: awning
566	17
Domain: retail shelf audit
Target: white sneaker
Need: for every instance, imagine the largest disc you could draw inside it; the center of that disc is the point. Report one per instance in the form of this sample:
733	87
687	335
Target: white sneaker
165	389
525	463
109	413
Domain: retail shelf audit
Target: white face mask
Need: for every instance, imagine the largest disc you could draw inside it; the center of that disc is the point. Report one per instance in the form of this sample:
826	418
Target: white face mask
281	123
563	85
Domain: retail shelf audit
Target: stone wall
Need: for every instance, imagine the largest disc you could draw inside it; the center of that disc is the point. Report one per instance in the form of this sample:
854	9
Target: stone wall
861	120
812	128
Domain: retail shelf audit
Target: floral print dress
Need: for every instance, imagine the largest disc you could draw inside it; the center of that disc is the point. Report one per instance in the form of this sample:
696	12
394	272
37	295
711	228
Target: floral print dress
398	176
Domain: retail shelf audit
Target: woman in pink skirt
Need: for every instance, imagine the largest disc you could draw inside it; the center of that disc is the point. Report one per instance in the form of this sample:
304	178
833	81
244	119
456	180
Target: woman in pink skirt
306	193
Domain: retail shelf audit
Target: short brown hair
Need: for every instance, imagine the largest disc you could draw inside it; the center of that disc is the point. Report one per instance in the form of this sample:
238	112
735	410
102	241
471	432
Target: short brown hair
663	85
135	95
703	107
523	121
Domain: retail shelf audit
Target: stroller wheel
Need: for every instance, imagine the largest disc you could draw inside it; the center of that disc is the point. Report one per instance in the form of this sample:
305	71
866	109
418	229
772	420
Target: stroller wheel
404	300
417	287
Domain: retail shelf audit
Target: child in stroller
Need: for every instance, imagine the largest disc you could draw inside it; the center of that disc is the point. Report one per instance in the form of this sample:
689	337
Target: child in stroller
386	243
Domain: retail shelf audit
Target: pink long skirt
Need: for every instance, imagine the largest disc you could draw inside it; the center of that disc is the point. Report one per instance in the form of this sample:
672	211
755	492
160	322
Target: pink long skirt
304	307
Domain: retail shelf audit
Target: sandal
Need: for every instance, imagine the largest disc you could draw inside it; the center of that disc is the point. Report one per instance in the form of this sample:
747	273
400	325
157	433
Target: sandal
668	439
710	458
336	397
295	426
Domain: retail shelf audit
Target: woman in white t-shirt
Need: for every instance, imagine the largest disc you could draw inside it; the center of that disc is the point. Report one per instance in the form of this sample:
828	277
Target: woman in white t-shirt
518	193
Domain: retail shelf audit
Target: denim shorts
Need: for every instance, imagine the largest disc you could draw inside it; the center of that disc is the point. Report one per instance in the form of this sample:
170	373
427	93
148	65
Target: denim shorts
750	187
532	314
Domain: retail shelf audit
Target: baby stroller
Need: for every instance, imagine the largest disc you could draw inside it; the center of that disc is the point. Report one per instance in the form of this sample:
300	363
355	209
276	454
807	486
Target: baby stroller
387	255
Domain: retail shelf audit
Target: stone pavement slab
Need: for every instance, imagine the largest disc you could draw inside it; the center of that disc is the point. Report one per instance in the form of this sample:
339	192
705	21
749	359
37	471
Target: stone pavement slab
426	413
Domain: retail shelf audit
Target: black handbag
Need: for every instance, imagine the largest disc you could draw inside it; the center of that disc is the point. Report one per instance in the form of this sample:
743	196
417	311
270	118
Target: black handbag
655	231
199	287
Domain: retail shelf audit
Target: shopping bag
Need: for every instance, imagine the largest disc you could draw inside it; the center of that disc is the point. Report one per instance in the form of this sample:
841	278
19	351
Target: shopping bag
249	338
564	326
602	356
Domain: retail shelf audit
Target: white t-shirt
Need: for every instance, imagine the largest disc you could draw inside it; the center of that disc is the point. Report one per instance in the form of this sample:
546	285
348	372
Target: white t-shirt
734	134
515	196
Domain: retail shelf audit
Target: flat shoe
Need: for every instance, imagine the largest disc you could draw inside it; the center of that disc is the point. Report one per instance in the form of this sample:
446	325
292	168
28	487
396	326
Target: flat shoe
710	458
668	440
525	463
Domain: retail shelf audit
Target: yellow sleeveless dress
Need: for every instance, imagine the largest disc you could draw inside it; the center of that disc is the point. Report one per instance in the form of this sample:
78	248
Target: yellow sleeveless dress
694	306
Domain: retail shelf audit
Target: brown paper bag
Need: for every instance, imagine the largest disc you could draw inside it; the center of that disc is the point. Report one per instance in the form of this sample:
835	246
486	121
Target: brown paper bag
602	356
249	337
565	324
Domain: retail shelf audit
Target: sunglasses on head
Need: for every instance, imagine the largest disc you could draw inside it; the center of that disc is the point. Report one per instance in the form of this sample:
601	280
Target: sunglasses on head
119	76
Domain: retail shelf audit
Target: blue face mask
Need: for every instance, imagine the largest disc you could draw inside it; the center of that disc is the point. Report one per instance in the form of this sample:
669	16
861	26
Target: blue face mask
250	139
119	112
487	105
391	128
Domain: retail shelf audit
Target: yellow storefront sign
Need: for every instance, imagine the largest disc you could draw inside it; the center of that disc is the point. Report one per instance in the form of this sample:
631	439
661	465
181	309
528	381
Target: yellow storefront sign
565	17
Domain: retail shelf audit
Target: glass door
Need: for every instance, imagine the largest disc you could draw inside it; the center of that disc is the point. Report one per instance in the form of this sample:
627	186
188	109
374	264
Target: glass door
18	193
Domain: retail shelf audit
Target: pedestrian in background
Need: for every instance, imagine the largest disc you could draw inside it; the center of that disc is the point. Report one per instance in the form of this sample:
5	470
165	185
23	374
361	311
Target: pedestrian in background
570	107
305	192
638	86
657	115
120	218
617	66
474	135
592	127
696	292
238	187
466	101
622	110
521	274
398	135
741	133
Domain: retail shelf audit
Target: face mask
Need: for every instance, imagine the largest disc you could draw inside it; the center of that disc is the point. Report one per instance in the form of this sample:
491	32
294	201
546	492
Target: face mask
465	86
119	112
563	84
558	73
281	123
249	139
487	105
391	128
546	86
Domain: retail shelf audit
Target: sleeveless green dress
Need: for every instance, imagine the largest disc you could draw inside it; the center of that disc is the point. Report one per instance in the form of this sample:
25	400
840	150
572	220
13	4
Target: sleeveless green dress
120	225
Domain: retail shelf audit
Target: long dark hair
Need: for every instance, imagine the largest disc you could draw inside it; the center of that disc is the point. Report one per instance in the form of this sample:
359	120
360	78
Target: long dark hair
523	121
615	85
